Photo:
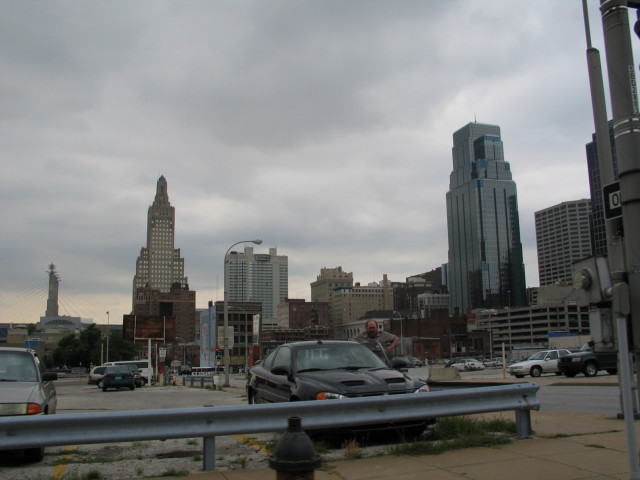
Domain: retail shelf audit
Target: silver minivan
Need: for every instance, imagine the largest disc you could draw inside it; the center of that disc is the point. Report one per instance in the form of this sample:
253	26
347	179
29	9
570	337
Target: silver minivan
26	388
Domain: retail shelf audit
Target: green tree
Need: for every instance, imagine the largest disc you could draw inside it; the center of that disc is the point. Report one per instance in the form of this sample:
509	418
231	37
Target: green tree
90	340
119	349
67	354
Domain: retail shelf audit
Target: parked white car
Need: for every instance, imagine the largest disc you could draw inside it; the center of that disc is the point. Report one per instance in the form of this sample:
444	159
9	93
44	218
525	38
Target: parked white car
465	364
545	361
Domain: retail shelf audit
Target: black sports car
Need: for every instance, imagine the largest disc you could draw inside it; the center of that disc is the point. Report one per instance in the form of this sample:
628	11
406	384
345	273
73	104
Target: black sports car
326	370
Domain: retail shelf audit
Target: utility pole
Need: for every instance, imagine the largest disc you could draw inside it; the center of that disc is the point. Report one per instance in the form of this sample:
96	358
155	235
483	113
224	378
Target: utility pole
615	280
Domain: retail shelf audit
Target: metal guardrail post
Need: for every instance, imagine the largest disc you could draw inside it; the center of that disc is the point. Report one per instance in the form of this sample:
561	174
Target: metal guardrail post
208	453
523	424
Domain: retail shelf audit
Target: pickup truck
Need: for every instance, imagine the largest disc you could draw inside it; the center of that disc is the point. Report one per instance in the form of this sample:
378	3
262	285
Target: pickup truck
588	362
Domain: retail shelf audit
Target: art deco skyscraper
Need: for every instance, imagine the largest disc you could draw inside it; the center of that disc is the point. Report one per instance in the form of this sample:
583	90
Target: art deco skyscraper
159	264
485	254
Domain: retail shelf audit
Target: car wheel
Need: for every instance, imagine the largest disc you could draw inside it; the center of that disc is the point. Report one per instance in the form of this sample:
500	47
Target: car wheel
132	386
536	371
612	371
99	384
34	454
590	370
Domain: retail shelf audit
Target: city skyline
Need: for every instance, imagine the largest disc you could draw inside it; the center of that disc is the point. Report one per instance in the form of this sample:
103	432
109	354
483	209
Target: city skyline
325	129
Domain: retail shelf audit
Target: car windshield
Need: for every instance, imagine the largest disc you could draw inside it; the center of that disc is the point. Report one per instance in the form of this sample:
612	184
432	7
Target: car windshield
120	369
538	356
17	367
335	356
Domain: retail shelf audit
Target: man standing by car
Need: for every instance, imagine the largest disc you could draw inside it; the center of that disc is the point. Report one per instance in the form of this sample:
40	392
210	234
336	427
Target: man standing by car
379	342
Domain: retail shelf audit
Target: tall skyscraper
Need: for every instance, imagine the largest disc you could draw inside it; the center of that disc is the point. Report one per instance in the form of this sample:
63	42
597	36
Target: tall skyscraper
597	220
563	236
485	253
159	265
260	278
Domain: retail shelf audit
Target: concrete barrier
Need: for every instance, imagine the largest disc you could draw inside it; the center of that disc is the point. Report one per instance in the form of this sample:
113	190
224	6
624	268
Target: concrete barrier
441	374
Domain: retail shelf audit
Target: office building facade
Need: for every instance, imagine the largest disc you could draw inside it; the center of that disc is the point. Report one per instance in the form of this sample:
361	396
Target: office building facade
159	265
485	252
563	235
259	277
597	220
349	304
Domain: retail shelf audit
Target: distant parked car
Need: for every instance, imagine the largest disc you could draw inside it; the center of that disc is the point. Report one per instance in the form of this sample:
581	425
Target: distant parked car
185	370
95	376
118	377
588	362
465	364
138	381
493	362
545	361
416	362
26	388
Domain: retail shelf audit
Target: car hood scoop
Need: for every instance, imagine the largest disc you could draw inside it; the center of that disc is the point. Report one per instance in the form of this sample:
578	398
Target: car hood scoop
353	383
395	380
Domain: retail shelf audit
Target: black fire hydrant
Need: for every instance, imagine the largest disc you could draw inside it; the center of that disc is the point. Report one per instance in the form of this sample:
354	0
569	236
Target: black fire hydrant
295	458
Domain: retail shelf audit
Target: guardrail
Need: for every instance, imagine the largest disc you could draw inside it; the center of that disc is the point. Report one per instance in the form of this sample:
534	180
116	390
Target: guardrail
210	421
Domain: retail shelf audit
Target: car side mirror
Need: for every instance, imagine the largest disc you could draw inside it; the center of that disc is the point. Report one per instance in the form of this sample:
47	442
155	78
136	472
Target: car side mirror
281	370
399	364
49	376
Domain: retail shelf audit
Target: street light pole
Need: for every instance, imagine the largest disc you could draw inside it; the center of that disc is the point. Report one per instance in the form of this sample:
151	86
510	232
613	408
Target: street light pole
401	336
226	309
108	331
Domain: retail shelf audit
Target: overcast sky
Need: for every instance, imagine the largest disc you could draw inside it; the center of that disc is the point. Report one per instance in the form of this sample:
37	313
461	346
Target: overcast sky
322	127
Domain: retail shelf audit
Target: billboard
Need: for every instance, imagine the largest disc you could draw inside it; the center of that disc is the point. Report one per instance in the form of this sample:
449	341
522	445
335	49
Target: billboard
140	328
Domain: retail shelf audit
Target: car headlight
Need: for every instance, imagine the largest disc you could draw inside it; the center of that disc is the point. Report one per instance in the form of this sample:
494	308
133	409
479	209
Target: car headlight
20	409
576	360
329	396
423	389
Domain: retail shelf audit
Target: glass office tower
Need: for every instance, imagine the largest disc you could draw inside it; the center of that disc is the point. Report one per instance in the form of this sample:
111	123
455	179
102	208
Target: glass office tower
486	269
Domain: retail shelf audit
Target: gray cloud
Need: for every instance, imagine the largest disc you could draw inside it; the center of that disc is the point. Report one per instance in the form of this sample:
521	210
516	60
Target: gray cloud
322	127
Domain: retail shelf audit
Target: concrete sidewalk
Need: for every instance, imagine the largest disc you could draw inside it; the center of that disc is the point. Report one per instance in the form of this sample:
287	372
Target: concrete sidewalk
564	446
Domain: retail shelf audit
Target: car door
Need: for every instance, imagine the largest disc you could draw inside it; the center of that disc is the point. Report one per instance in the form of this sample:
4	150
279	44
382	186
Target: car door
277	386
48	388
550	363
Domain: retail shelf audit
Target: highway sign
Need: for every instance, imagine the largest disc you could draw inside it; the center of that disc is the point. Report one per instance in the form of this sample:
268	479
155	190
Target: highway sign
612	201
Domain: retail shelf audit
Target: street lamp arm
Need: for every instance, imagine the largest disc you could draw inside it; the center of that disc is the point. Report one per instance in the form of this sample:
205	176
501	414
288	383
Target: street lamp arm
256	241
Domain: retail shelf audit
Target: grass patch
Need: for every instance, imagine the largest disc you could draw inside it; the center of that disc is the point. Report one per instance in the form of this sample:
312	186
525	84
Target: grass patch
321	447
241	462
90	475
565	435
172	472
351	449
88	460
454	433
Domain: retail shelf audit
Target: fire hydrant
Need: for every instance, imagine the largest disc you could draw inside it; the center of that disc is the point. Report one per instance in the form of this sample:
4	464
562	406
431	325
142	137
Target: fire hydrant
294	457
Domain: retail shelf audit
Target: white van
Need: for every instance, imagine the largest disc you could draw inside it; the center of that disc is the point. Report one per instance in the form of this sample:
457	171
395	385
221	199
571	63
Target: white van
145	367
